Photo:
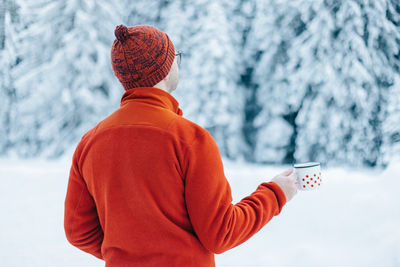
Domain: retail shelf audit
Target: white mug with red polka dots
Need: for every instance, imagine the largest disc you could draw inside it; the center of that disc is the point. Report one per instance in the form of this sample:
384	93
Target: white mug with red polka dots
309	175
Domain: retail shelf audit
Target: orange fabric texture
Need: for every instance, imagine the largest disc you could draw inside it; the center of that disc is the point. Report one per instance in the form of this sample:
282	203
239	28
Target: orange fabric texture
147	188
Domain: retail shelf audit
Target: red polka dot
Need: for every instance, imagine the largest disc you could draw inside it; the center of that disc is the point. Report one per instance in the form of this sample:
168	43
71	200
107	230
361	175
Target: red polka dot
304	186
318	184
312	185
315	181
304	179
315	174
318	177
308	182
307	176
311	179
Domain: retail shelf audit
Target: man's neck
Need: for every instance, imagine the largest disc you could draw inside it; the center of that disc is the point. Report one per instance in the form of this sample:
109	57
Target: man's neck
162	88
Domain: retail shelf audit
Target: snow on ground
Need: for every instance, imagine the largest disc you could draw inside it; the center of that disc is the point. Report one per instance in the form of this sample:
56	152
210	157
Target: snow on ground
353	220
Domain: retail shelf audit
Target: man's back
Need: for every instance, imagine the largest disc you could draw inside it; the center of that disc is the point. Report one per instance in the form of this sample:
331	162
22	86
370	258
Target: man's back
147	188
131	166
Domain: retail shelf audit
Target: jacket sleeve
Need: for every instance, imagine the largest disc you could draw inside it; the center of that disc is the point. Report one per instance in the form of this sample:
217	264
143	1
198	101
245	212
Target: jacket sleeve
81	222
219	224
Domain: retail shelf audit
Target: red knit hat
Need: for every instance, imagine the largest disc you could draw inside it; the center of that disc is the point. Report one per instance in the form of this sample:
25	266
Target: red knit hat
141	55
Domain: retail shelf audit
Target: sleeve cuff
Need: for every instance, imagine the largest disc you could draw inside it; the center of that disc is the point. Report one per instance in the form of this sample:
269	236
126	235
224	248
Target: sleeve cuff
280	195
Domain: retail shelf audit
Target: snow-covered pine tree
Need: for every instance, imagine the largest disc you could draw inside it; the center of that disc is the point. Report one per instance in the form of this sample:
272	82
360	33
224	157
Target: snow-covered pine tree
271	99
391	123
334	126
209	72
65	82
10	26
362	55
323	82
146	12
241	16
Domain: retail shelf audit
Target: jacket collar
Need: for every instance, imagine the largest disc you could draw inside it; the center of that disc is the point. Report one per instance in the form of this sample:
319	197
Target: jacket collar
152	95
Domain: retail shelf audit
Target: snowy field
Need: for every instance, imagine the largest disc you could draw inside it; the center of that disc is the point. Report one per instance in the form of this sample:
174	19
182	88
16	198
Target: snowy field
353	220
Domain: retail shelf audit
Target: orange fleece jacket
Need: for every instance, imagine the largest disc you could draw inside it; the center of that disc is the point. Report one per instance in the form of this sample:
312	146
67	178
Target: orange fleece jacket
147	188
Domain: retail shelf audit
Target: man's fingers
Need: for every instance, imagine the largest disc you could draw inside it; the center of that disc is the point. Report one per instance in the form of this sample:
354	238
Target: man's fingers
287	172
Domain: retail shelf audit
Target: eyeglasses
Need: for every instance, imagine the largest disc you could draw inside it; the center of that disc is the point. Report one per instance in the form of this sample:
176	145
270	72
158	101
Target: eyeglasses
179	54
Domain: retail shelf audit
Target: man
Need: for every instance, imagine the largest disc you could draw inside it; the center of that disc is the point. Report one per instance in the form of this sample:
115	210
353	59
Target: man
147	186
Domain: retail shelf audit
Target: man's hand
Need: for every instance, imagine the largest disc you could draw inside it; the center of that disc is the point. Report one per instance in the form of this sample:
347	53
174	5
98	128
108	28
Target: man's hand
287	180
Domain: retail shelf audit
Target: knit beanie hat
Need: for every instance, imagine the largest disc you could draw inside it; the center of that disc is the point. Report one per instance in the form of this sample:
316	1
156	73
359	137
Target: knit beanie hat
141	55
